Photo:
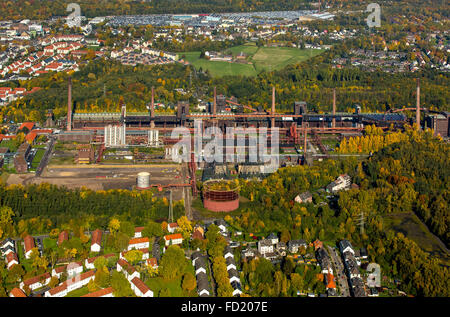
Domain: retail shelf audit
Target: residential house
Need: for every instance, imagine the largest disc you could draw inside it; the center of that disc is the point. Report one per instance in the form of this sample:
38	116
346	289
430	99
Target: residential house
7	246
305	197
273	238
281	248
71	284
29	245
202	285
96	241
223	226
198	233
63	236
11	260
173	239
139	288
36	282
295	245
172	227
153	263
17	292
128	270
58	271
249	253
345	245
265	246
138	232
343	182
139	243
324	261
74	268
200	265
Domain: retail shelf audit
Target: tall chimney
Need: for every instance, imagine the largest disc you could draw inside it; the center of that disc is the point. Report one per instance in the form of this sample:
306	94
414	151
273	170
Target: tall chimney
418	105
69	105
152	109
333	120
214	103
272	124
305	144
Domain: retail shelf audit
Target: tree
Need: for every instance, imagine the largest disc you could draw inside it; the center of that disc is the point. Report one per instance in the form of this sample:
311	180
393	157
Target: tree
189	283
100	263
134	256
114	225
296	282
120	285
152	229
185	226
173	263
6	220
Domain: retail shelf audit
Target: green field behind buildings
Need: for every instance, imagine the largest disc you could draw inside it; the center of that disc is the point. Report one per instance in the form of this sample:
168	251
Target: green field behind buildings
259	58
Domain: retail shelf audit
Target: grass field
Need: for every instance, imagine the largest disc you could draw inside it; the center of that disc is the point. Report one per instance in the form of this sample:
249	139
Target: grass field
37	159
260	58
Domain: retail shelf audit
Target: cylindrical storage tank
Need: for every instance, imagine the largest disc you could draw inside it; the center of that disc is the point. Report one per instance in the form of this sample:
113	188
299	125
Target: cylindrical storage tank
143	180
220	199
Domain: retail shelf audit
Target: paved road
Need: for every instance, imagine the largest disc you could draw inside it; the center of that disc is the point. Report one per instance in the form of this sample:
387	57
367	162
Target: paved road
339	272
187	195
46	158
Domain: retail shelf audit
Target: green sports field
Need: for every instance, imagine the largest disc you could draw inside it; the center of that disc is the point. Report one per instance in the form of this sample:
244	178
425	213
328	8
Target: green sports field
260	58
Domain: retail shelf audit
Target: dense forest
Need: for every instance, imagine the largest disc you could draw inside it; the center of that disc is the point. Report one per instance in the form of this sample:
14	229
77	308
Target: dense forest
410	176
38	208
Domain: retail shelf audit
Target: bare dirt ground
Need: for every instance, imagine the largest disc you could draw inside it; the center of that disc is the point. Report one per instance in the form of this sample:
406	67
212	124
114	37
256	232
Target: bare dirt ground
104	177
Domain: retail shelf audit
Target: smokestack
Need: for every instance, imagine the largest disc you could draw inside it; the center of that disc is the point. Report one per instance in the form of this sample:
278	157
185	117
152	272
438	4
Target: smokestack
69	105
305	144
333	121
273	107
418	105
214	103
152	109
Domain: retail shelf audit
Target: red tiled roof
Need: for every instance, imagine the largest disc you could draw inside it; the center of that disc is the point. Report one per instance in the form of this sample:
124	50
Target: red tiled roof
63	236
126	266
36	279
100	293
152	262
29	243
29	125
138	240
60	269
58	289
17	292
11	257
173	236
97	237
31	136
140	285
139	229
173	225
330	281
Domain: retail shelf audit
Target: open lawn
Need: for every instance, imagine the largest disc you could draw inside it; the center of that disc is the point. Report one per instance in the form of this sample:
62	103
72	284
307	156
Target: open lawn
37	159
78	292
10	144
260	58
156	284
